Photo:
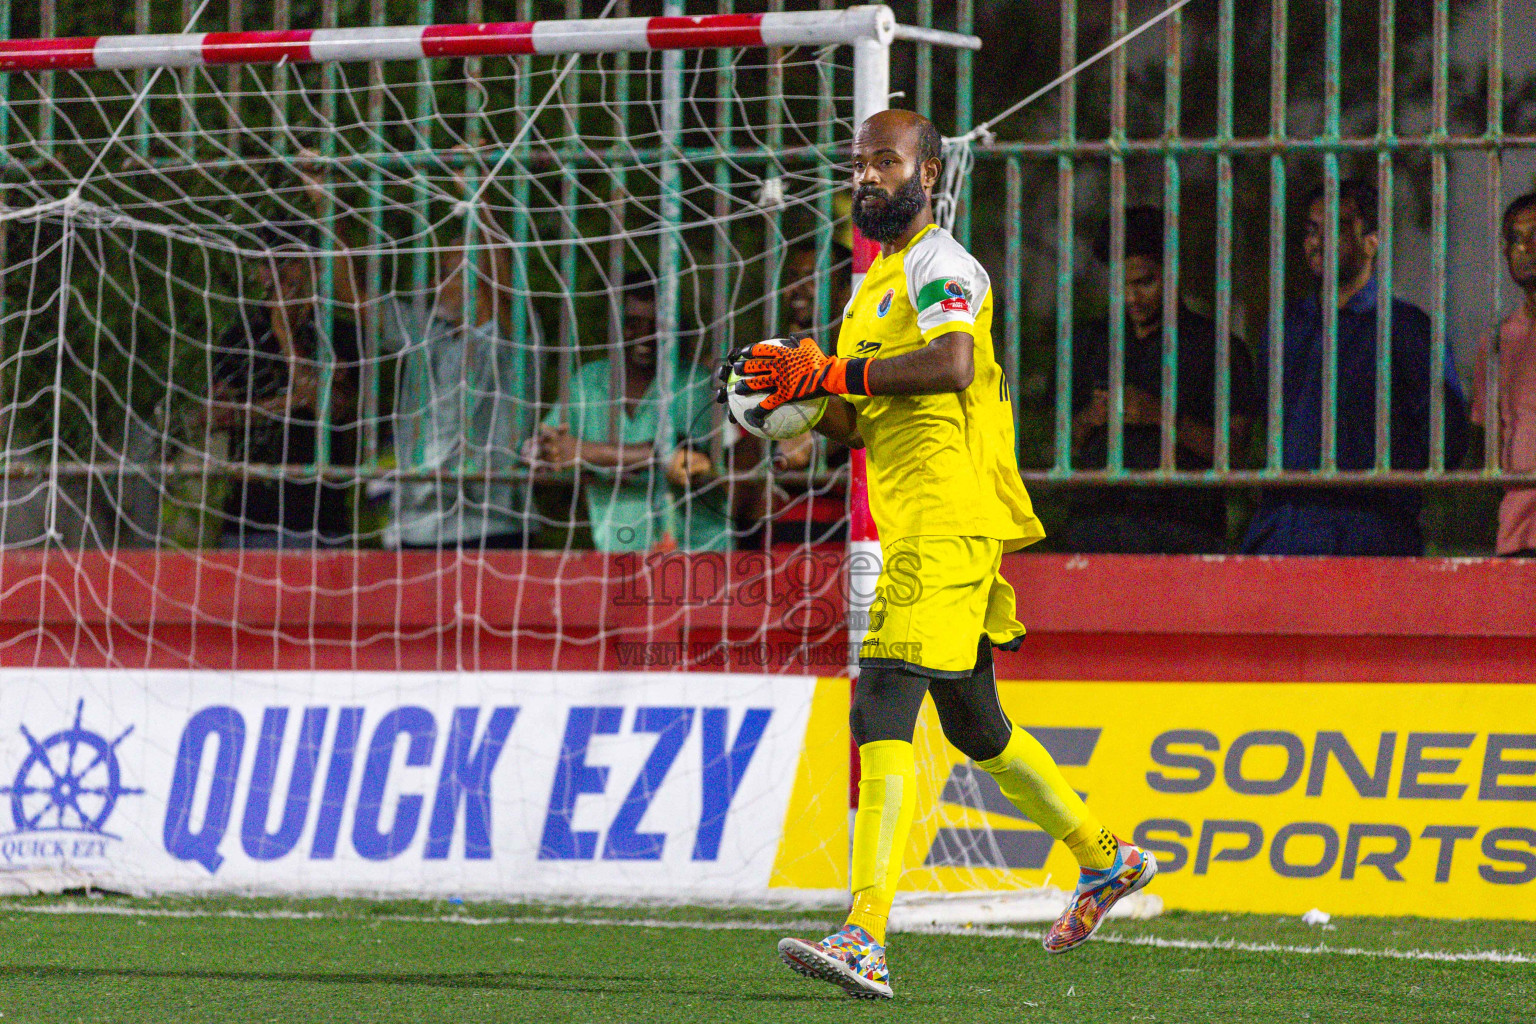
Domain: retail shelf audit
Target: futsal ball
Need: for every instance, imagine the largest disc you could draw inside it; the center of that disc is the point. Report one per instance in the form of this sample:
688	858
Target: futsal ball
789	420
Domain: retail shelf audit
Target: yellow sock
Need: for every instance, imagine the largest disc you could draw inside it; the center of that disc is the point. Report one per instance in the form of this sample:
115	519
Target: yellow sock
1031	781
1092	845
887	797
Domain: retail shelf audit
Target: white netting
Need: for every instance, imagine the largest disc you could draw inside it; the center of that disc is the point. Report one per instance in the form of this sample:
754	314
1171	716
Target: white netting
355	188
234	318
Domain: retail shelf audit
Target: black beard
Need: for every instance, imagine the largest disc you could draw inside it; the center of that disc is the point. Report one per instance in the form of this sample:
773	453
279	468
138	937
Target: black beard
887	223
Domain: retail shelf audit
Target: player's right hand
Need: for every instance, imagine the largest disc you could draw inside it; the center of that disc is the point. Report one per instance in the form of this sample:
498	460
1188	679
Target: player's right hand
794	369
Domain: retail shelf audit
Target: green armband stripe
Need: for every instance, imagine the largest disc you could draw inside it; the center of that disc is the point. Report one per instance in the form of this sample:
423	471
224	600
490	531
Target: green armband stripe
932	294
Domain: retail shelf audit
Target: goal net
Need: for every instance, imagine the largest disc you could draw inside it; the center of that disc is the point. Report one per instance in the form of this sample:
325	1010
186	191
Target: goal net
368	522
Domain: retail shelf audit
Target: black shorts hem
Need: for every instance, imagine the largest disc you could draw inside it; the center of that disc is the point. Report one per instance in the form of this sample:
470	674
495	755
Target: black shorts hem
919	670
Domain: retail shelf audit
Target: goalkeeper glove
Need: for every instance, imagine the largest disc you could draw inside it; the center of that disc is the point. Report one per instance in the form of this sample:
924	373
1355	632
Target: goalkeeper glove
793	369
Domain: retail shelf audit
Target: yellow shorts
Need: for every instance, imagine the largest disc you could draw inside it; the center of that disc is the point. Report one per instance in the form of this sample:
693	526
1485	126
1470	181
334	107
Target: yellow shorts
935	599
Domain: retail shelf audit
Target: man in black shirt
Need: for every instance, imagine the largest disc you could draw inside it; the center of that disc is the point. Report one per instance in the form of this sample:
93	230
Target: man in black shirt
1152	520
267	385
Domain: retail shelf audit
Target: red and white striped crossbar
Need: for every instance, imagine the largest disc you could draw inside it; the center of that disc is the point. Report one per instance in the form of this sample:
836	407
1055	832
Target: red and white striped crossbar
810	28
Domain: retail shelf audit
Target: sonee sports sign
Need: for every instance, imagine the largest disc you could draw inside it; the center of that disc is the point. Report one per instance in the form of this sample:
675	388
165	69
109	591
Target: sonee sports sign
1360	799
1317	849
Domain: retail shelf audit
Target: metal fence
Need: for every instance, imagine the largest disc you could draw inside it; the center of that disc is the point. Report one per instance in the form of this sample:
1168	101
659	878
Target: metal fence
1003	223
1165	145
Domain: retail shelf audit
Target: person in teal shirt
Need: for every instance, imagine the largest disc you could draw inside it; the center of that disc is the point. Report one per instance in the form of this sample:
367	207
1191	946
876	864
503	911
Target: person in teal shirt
459	395
631	505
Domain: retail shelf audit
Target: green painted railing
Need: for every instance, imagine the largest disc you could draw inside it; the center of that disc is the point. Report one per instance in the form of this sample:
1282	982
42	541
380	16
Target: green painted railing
941	84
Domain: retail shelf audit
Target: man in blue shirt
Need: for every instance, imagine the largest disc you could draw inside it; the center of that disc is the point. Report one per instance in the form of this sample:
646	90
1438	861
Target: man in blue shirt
1353	520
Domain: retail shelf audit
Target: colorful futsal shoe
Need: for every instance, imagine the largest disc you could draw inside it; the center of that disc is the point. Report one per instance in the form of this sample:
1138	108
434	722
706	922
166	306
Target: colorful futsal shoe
850	959
1097	891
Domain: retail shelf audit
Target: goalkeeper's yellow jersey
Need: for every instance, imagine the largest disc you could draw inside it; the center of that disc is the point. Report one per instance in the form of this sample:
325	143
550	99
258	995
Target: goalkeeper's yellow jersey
938	464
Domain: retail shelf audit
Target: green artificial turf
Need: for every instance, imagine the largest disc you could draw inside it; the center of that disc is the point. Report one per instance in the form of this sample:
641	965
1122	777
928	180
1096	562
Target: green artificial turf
221	960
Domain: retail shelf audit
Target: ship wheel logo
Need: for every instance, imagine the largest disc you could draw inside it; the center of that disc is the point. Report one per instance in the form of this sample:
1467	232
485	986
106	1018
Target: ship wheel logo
68	782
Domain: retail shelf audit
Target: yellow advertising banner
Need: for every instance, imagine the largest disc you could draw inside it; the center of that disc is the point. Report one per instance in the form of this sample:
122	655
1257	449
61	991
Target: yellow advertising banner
1392	799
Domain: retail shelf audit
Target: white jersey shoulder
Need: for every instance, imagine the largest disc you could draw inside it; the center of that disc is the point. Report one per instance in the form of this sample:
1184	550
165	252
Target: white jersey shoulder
945	284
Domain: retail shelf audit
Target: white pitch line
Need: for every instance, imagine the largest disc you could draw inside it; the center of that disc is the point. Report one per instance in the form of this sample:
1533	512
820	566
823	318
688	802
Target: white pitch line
317	915
1157	942
1233	945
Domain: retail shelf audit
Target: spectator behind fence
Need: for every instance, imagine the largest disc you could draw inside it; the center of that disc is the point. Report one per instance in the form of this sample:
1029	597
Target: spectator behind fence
806	514
636	510
268	384
458	392
1354	520
1515	430
459	395
1156	520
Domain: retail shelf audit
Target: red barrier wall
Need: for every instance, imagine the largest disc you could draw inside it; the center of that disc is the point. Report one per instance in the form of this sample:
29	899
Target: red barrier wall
1256	619
1090	617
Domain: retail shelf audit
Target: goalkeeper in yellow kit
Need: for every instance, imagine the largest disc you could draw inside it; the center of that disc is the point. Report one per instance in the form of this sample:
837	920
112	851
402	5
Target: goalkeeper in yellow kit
915	382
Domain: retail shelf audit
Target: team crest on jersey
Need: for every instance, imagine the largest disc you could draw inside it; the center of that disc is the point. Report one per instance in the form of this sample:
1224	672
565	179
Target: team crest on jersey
885	303
954	297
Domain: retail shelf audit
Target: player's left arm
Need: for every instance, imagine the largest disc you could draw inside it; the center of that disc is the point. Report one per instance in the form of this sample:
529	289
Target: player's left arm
840	423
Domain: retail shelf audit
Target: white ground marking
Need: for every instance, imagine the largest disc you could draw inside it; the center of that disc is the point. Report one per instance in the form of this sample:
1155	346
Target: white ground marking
802	924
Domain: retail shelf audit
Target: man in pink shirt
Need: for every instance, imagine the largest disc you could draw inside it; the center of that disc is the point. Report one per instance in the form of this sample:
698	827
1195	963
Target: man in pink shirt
1515	432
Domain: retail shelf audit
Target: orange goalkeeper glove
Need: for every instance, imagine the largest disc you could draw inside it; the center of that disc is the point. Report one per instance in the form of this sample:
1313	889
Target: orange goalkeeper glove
793	369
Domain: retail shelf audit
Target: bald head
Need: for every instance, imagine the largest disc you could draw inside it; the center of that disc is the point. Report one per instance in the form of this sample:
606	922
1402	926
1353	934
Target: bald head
907	130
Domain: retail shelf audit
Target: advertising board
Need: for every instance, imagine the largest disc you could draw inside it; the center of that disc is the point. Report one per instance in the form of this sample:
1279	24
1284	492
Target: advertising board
422	784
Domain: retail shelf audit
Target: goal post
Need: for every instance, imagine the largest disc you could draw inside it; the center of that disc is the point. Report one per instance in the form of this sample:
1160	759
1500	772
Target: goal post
867	23
428	251
867	29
